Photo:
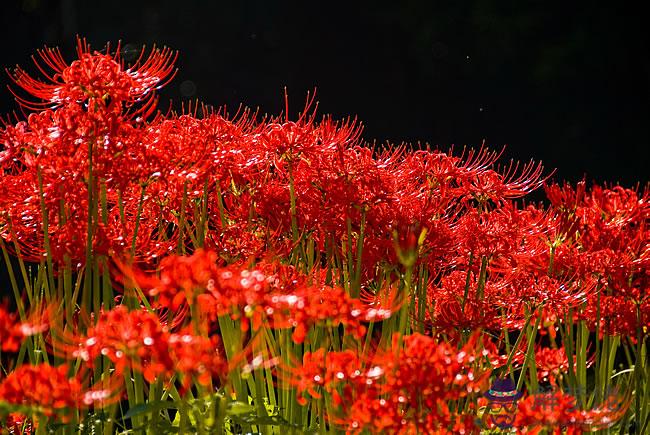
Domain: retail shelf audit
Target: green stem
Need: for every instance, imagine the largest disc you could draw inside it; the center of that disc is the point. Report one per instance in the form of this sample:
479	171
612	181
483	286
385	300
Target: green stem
404	312
356	284
468	277
46	233
137	222
530	356
292	206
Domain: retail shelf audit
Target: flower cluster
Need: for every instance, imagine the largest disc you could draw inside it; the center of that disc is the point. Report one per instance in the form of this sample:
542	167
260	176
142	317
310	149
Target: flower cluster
140	341
13	332
377	289
560	412
50	390
405	391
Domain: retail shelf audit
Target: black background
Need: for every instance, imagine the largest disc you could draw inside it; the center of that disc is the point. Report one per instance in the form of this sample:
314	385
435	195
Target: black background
566	83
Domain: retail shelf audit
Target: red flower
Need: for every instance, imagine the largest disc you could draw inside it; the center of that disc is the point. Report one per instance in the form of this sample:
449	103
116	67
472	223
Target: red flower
557	410
397	391
46	388
311	305
13	332
551	363
138	339
198	358
95	78
135	339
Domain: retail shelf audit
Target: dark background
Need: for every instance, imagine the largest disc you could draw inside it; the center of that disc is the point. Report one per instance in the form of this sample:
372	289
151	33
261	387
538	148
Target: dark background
564	83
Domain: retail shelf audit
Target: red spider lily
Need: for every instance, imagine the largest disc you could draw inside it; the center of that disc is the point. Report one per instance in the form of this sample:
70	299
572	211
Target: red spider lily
180	278
241	242
49	390
552	364
197	277
607	413
612	246
330	188
289	141
186	152
517	180
416	385
559	412
548	410
326	371
96	78
452	317
311	305
48	158
612	229
13	331
251	294
387	298
618	316
453	312
557	295
199	358
401	391
11	335
45	387
478	182
137	339
565	200
236	292
500	232
18	423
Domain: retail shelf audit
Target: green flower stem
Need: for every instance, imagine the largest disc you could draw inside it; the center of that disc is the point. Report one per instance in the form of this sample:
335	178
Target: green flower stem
21	264
137	221
356	282
232	344
581	361
600	377
468	277
517	343
423	278
568	341
12	280
639	373
180	249
222	210
292	205
482	278
403	327
46	236
202	227
529	360
86	297
506	339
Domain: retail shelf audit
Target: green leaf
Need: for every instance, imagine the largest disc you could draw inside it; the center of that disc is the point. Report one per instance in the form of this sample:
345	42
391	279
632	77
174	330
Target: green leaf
150	407
239	408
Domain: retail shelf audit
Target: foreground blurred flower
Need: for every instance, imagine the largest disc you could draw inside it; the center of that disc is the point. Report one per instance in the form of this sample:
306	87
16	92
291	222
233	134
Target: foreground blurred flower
251	296
13	331
49	390
405	390
139	340
559	411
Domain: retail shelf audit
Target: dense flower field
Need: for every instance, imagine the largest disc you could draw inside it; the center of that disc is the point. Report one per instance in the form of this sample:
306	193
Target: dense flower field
200	272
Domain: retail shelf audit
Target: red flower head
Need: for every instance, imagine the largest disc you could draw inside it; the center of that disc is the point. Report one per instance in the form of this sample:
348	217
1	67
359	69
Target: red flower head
13	331
49	390
98	80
